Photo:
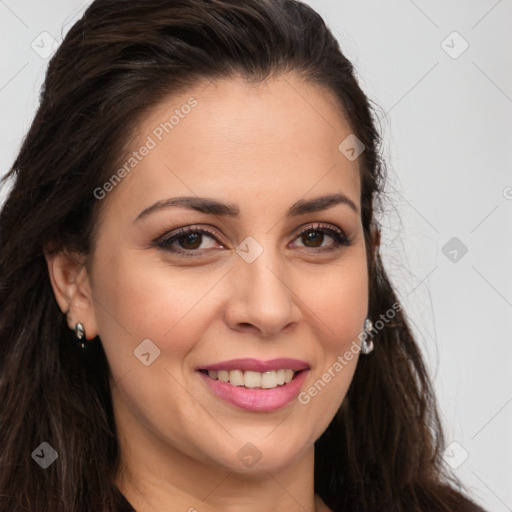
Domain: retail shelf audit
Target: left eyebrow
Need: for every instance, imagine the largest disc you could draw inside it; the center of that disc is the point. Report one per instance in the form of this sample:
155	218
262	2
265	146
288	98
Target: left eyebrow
213	207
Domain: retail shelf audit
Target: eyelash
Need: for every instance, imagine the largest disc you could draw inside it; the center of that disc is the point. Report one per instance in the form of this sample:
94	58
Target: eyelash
165	241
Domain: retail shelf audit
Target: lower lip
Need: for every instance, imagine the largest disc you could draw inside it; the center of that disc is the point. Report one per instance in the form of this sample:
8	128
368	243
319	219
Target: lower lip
254	399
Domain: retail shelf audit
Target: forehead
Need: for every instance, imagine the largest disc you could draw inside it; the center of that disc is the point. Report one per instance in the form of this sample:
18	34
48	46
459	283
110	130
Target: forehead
258	142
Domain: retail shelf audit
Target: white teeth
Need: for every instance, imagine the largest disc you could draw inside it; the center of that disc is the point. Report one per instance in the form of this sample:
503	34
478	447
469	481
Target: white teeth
250	379
223	375
236	377
288	375
269	380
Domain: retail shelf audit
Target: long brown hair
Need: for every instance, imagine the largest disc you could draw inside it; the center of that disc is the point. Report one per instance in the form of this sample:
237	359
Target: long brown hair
382	450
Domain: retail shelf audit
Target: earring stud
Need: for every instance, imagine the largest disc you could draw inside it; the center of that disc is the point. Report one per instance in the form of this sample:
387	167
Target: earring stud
367	346
80	334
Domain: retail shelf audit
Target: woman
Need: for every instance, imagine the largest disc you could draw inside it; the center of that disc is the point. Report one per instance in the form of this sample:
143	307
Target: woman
194	312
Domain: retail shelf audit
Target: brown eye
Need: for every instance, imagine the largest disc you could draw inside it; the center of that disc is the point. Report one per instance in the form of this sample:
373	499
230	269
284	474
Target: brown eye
188	240
314	236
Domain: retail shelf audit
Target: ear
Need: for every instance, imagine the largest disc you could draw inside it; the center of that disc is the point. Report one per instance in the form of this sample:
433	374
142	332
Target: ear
72	290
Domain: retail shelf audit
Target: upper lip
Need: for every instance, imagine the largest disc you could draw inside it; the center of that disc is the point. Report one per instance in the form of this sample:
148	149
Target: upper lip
257	365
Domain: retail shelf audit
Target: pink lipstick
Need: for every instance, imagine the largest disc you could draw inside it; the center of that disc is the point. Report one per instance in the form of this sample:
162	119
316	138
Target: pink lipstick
256	385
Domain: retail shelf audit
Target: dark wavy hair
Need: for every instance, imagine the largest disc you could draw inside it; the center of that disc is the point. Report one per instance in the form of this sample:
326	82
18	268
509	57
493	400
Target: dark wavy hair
383	449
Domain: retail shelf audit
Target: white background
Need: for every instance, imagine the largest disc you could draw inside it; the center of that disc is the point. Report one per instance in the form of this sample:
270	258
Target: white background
447	124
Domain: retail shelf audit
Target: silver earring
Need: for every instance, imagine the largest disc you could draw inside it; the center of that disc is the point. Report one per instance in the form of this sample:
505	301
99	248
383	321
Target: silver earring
367	346
80	334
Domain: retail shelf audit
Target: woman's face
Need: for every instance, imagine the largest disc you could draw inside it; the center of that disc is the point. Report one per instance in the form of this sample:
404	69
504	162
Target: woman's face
253	159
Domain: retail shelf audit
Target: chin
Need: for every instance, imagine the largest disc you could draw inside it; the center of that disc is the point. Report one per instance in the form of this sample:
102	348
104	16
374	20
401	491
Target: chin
263	455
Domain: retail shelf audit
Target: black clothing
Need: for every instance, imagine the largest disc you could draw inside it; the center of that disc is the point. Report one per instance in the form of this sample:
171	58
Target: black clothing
122	504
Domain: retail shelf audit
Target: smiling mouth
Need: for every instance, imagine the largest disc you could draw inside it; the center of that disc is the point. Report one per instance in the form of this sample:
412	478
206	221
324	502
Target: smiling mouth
254	380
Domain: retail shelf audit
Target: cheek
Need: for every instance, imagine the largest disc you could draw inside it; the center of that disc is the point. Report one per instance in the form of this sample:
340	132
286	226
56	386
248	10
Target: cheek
338	309
136	302
339	301
172	309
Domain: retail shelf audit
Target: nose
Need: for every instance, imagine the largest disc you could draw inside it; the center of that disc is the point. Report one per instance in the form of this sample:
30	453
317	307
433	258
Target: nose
262	299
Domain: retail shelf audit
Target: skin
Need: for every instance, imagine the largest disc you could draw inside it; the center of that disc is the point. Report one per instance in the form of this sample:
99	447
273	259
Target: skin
263	147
